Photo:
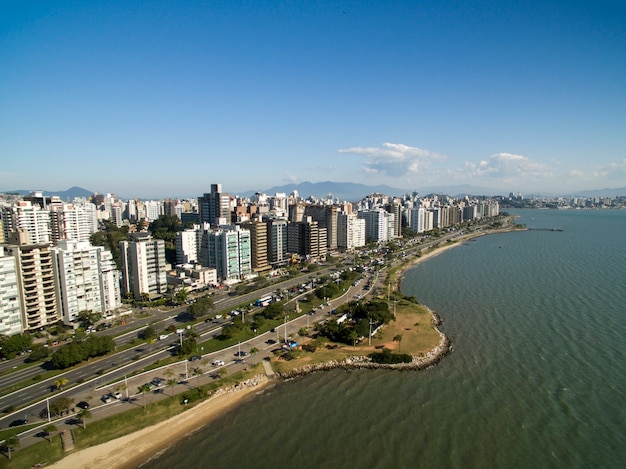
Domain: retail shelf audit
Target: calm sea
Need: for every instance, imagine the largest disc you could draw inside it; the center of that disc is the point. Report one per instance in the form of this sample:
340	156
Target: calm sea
537	377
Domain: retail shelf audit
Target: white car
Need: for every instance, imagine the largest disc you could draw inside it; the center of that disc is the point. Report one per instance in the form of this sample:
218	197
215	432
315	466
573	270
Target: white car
218	363
163	336
117	395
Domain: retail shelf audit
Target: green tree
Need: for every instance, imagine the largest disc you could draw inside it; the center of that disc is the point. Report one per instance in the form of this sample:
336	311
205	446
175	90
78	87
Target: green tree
254	351
48	429
398	338
181	295
59	383
83	415
143	389
60	405
171	382
10	346
10	443
149	333
200	307
197	372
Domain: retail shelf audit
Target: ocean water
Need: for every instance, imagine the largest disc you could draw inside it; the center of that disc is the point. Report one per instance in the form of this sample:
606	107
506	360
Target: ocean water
537	376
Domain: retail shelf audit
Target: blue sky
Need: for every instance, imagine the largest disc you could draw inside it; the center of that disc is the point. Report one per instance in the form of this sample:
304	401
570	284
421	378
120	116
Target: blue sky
162	98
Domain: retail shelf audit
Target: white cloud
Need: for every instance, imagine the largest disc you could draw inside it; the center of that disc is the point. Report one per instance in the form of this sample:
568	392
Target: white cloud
291	179
394	159
507	167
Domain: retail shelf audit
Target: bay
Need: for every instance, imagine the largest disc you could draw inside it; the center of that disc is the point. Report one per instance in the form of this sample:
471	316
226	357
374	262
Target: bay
536	377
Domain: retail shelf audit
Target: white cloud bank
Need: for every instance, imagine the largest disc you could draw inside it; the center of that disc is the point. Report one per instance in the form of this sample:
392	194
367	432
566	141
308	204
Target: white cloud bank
502	171
394	159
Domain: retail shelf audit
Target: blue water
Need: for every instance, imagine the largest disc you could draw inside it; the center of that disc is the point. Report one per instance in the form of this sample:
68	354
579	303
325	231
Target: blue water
537	376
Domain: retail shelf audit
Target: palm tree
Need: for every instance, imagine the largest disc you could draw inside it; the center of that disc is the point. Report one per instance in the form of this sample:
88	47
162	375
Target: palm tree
171	383
197	372
48	429
398	338
11	442
59	383
83	415
143	389
254	351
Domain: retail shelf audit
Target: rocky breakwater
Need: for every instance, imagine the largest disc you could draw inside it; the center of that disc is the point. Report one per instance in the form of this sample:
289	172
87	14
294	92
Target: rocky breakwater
249	383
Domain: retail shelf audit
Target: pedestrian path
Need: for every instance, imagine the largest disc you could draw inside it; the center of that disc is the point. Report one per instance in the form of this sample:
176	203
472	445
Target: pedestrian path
67	438
268	369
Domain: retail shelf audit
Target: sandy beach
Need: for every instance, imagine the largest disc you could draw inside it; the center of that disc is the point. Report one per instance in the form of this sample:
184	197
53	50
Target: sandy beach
132	450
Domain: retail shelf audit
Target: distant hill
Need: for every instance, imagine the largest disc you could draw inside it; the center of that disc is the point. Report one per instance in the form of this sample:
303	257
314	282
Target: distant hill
353	192
620	191
347	191
67	195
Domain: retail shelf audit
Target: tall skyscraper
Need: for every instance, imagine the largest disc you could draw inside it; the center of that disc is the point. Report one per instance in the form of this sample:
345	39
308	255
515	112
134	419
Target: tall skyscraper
214	206
143	266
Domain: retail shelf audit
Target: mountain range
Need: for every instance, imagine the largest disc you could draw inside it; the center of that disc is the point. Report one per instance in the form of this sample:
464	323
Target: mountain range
352	192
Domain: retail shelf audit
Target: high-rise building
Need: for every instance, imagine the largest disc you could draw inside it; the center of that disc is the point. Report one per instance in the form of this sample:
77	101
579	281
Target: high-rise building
228	251
143	266
277	242
187	246
307	240
214	207
35	267
77	279
377	224
326	217
258	244
350	231
27	217
10	309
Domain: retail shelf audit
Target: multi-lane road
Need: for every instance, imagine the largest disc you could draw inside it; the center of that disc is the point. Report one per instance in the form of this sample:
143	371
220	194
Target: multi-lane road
90	375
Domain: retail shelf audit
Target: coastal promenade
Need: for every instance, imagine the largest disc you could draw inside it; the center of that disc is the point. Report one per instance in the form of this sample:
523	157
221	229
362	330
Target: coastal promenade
235	364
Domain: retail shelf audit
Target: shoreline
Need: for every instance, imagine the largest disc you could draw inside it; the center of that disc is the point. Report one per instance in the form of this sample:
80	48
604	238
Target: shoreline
139	448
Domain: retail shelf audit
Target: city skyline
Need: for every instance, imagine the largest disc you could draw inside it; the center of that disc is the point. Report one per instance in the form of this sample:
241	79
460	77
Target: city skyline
156	100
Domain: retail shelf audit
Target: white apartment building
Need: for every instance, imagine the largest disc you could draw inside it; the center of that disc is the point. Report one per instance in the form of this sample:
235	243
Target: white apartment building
110	278
187	246
228	250
28	217
143	266
10	309
79	222
350	231
377	224
36	281
153	210
85	280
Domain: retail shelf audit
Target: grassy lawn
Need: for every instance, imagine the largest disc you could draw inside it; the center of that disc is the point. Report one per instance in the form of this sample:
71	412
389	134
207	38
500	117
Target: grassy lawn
413	322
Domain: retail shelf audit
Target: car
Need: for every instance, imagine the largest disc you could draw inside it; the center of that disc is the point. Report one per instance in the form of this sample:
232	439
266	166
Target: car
195	358
218	363
241	354
117	395
180	331
106	398
157	381
18	422
83	405
163	336
270	342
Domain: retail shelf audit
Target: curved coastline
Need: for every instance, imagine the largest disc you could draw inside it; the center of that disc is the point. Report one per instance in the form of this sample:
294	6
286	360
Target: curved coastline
432	358
138	448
